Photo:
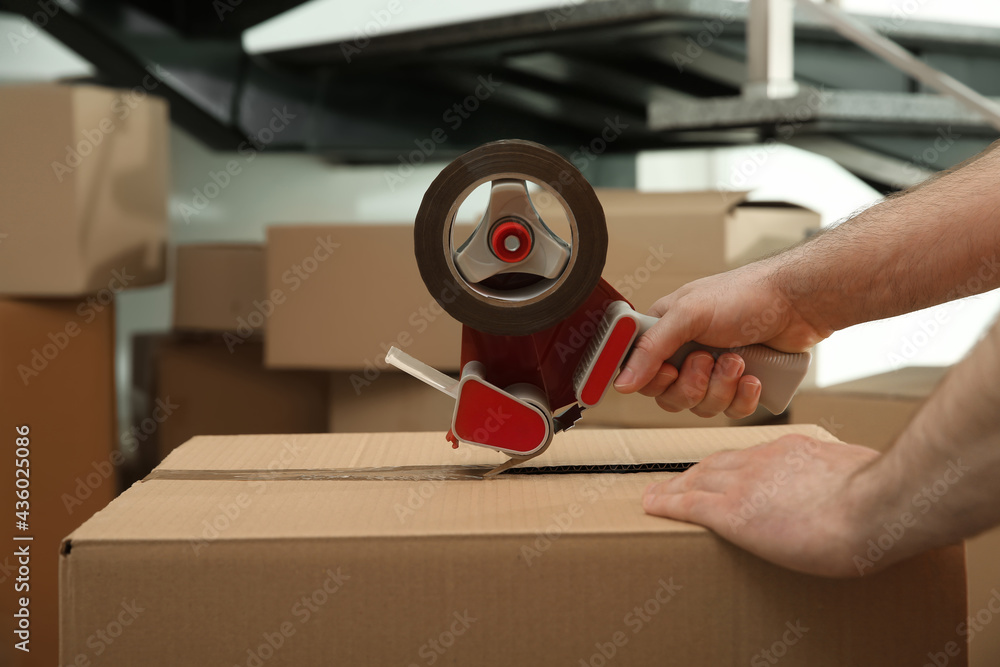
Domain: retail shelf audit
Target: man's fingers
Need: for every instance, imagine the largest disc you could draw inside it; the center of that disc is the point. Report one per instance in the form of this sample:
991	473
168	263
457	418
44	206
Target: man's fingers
722	385
747	396
663	379
649	352
643	362
691	385
693	506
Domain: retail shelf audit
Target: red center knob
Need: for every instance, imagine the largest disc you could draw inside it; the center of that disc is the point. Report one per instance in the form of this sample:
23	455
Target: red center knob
511	241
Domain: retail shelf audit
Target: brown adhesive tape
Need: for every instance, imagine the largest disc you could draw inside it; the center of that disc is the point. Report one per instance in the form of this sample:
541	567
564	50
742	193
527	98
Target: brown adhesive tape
499	316
404	473
400	473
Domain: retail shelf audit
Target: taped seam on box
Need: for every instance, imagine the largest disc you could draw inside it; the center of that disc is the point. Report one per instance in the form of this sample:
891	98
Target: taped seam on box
406	473
614	468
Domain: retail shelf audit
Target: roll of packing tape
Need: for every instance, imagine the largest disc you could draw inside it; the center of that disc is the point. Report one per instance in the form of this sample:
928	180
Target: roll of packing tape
494	312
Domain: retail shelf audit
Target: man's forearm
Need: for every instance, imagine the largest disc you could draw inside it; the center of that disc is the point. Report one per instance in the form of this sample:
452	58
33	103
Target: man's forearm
929	245
944	470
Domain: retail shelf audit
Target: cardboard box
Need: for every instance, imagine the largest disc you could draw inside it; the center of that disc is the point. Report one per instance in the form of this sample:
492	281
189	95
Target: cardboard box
204	388
221	558
217	287
758	229
344	312
982	557
56	378
391	402
870	411
84	183
344	294
658	242
873	411
692	233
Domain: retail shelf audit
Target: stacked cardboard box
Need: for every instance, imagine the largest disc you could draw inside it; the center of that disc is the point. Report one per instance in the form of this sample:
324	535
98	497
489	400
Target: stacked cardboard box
293	549
217	287
873	411
338	296
207	377
869	411
220	289
395	402
83	181
57	387
658	242
187	385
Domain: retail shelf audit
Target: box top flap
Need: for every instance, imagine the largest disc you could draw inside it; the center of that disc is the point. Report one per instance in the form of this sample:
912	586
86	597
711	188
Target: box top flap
374	450
198	511
624	201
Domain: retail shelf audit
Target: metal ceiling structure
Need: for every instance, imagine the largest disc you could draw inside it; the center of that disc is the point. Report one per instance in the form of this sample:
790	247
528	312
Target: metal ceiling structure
619	75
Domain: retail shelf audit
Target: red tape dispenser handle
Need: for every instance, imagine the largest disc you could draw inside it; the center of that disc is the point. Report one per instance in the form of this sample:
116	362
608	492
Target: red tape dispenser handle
780	373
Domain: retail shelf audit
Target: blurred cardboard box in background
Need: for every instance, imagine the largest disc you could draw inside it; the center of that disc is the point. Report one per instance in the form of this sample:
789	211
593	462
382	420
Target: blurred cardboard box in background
358	285
393	402
84	177
869	411
216	286
57	378
220	287
199	385
659	241
342	295
338	296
